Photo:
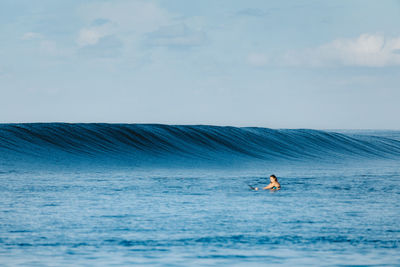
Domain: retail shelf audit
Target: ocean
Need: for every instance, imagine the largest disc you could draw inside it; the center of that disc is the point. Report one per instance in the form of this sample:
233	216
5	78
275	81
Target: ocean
163	195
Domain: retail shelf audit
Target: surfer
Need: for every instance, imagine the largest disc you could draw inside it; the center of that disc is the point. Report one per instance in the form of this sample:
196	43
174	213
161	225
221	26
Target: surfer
273	185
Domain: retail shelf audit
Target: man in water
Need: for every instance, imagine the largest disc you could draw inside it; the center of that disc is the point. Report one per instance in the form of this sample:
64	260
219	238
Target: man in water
273	185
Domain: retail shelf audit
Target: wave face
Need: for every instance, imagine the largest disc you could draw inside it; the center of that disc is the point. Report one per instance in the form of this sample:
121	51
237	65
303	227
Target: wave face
153	143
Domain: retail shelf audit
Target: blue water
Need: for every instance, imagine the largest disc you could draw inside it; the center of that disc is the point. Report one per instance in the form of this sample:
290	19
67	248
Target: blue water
101	195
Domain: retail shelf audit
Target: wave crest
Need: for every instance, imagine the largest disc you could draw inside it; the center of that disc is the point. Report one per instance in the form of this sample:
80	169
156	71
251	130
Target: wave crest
152	142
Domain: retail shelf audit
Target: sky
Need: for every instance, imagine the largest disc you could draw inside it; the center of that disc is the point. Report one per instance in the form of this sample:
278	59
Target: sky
277	64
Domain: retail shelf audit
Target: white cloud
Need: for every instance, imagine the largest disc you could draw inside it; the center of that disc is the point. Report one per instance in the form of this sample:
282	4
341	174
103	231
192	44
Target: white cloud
369	50
136	16
31	36
176	35
89	36
106	47
45	45
257	59
128	20
136	23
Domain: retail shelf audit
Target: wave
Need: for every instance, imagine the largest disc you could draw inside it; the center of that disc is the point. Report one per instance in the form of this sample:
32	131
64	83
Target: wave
200	143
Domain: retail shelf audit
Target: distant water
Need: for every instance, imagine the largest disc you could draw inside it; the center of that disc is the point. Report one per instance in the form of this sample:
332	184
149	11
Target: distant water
159	195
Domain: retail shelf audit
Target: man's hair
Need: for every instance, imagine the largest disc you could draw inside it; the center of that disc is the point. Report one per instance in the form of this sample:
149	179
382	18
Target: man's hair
273	176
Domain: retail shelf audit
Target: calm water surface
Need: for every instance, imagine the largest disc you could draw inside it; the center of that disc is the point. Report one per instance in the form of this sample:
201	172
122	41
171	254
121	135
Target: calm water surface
333	216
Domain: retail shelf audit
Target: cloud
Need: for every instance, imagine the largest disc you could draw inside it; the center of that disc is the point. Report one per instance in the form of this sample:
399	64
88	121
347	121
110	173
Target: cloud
31	36
257	59
367	50
176	35
128	21
126	27
105	47
100	22
98	29
91	35
45	45
135	16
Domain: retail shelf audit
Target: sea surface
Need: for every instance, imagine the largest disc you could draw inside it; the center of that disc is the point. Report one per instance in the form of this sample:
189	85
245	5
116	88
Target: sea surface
162	195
